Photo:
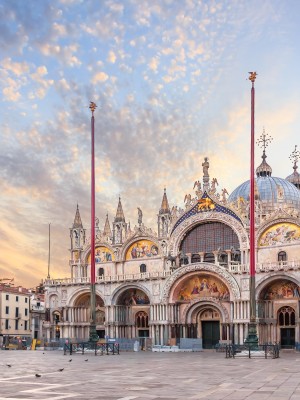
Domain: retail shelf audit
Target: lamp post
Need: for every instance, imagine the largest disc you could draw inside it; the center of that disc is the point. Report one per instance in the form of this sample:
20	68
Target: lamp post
252	338
93	333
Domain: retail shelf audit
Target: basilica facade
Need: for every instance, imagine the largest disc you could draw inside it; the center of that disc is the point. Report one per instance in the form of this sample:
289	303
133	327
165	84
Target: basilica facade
189	281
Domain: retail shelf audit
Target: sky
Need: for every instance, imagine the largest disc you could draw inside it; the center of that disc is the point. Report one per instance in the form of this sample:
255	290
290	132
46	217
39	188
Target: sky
170	79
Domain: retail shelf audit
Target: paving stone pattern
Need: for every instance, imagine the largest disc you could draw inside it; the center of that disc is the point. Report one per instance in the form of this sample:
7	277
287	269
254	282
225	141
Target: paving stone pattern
147	376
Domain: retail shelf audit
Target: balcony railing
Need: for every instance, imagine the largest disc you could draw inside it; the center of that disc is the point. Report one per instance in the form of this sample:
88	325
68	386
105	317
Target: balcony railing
278	266
233	268
109	278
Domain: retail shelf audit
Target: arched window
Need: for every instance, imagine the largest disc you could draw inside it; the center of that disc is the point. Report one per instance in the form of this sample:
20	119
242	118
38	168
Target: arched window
209	237
282	256
286	316
141	319
143	268
101	272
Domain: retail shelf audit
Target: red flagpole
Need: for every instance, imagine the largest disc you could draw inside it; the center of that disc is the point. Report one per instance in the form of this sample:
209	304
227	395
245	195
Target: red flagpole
252	338
93	331
93	275
252	188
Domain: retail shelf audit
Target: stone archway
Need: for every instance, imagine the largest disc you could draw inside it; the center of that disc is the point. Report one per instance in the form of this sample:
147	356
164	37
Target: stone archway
131	313
275	295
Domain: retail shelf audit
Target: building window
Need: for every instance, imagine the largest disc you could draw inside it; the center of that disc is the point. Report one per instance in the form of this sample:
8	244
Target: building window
141	320
209	237
286	316
26	299
26	327
7	324
7	297
143	268
17	298
26	312
38	304
282	256
17	312
16	324
101	271
6	310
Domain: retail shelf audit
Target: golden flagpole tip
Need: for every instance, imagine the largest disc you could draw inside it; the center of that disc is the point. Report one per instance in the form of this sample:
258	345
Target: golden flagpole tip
92	107
252	76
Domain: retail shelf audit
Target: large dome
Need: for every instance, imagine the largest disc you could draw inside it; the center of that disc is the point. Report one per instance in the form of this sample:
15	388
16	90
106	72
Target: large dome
271	190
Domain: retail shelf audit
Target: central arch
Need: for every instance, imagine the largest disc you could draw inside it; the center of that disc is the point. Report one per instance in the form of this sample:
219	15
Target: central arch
216	271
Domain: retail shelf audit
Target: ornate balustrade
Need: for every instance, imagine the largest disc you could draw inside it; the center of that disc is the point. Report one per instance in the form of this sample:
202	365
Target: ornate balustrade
109	278
278	266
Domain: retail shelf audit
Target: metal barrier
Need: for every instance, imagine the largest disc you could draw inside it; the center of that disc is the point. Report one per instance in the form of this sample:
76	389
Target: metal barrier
97	348
260	351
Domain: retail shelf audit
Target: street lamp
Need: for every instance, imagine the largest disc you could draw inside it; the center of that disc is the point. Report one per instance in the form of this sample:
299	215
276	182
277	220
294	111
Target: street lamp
93	333
252	338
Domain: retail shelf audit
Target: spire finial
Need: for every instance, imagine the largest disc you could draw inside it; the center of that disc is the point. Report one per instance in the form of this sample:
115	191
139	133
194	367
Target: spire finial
92	107
263	142
294	157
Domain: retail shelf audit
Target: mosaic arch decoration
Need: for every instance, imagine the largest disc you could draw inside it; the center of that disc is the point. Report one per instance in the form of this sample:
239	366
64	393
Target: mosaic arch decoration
201	286
102	254
142	249
281	289
204	205
85	300
231	283
133	297
281	233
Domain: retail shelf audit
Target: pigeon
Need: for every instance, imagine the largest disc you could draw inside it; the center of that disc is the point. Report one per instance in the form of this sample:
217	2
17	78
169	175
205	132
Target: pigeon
38	375
70	360
86	360
61	369
9	365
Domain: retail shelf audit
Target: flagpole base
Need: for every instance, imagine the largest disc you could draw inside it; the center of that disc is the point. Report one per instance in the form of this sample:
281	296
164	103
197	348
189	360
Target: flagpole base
252	338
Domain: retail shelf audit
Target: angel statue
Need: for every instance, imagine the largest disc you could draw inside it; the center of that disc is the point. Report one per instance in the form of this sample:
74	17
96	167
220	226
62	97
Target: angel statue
224	192
214	183
187	199
197	185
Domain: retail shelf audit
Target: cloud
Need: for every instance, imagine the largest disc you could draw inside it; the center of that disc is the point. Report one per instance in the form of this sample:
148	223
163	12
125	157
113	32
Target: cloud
64	54
100	77
18	68
111	57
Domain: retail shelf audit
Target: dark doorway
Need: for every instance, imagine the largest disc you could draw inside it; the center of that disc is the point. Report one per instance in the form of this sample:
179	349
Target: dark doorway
144	333
101	333
287	338
210	334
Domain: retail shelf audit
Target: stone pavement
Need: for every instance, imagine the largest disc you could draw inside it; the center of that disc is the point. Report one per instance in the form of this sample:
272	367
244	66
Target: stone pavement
148	376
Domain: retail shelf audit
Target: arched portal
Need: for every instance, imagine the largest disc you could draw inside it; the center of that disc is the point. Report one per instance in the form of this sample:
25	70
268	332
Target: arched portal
132	314
278	310
208	320
82	315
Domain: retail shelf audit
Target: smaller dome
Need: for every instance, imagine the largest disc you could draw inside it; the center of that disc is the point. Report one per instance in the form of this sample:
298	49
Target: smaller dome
264	168
294	178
